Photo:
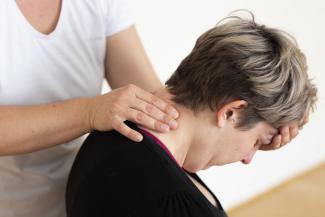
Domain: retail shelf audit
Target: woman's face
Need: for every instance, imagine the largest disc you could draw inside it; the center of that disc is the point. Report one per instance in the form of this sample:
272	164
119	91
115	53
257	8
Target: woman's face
236	145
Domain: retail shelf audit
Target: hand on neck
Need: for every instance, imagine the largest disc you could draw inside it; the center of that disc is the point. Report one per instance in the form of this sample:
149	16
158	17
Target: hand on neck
179	140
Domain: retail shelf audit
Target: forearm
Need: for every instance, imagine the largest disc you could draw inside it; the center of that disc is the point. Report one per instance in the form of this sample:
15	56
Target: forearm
25	129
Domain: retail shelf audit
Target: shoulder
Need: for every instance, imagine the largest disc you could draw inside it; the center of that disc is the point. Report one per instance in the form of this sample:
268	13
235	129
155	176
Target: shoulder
113	151
113	172
116	149
118	15
124	158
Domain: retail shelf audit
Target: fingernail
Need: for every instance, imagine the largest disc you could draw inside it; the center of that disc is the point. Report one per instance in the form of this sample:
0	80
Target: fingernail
173	124
138	137
164	127
174	113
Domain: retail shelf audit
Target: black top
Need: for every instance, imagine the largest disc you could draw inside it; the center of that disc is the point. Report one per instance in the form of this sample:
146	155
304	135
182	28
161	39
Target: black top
113	176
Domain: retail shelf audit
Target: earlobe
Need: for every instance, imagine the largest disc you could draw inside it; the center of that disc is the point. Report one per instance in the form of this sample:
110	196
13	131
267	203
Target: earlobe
222	116
220	122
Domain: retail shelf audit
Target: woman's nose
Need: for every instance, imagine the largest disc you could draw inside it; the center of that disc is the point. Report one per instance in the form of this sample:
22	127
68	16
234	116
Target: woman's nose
249	157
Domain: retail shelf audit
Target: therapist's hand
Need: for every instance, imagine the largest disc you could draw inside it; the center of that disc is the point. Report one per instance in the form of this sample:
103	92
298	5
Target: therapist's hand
109	111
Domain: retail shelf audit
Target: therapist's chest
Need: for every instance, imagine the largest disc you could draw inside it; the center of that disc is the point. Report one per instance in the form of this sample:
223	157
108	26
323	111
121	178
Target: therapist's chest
43	15
39	68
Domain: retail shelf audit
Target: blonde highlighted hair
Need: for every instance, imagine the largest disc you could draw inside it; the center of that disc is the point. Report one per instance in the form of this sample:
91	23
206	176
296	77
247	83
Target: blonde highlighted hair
240	59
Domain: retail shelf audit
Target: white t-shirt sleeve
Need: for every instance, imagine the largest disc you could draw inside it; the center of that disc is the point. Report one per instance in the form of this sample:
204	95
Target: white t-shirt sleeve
119	15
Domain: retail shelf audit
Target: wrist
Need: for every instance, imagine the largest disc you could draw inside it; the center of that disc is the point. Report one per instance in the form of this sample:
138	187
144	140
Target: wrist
87	113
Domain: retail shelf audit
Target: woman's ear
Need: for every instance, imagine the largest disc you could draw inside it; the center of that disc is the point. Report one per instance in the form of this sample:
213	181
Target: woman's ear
230	112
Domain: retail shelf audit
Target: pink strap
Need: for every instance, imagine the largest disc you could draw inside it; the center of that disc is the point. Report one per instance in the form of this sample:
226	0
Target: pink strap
162	145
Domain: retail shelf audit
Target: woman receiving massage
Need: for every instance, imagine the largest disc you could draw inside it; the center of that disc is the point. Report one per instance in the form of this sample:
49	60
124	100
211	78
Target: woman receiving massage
239	85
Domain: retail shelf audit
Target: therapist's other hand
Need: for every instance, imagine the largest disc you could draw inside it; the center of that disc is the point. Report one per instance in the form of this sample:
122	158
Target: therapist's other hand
109	111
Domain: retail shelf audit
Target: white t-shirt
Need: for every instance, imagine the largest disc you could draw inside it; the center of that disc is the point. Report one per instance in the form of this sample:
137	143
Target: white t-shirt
37	68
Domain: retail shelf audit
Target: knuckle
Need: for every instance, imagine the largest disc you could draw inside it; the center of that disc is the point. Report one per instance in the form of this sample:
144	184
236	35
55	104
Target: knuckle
139	116
149	109
157	125
131	87
119	126
167	119
132	134
169	108
123	97
127	94
155	100
126	100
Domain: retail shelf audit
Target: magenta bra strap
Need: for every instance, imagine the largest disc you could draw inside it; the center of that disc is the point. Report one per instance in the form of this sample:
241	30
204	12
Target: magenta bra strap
162	145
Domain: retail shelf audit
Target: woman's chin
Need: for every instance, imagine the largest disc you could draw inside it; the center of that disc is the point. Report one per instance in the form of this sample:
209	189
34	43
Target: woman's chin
192	169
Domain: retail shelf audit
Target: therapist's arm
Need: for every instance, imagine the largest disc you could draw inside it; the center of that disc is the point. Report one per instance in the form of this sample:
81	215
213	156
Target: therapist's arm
25	129
127	62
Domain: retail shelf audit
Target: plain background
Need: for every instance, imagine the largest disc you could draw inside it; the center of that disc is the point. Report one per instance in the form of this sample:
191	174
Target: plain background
169	29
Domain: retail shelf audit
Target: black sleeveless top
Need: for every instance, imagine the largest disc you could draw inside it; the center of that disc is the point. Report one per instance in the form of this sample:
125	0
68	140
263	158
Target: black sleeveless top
113	176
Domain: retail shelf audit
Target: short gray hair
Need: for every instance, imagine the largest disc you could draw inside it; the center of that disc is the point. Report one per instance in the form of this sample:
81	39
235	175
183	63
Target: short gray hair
240	59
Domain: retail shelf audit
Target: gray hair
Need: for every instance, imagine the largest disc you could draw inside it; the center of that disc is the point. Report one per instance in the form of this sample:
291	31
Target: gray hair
240	59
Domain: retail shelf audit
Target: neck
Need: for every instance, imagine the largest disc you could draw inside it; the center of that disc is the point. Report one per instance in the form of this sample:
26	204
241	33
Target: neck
180	142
